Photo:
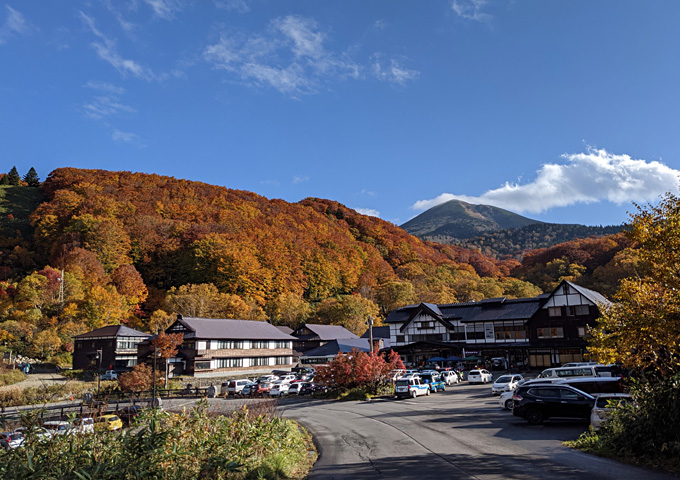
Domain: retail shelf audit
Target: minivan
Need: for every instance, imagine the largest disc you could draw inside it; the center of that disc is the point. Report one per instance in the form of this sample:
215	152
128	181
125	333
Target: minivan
236	386
564	372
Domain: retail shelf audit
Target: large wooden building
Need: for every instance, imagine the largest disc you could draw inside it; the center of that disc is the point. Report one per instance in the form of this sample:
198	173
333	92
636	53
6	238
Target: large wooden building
536	332
117	345
217	347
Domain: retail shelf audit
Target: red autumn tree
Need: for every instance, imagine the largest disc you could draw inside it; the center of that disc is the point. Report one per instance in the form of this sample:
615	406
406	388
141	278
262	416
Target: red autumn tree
139	379
358	369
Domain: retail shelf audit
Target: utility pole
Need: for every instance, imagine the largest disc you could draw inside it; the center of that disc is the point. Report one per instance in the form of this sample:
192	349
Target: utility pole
370	333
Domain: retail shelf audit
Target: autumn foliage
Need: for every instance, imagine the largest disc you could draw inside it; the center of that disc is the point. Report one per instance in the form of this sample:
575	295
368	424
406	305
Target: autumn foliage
140	379
358	369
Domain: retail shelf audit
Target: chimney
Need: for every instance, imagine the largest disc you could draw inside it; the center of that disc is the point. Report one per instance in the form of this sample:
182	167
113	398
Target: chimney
179	316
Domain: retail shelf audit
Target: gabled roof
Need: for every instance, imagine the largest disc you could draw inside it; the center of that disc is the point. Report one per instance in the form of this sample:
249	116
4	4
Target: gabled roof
113	331
327	332
342	345
378	332
595	297
519	309
285	329
227	329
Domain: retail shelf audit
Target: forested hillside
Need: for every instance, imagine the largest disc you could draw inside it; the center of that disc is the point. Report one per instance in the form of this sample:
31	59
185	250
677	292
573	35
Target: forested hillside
515	242
136	248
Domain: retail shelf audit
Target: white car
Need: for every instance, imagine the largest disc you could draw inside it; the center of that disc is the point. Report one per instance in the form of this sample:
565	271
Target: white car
84	425
480	375
449	377
505	383
279	389
110	375
505	399
604	404
58	427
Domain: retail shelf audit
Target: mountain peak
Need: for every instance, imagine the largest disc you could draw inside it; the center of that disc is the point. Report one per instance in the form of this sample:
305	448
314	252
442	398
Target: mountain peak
463	220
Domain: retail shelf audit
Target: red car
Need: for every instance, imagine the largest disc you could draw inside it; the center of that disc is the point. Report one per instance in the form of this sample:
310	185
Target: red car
260	389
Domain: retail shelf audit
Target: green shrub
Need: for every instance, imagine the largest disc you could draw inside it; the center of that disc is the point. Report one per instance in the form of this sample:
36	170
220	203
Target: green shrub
10	377
646	432
171	446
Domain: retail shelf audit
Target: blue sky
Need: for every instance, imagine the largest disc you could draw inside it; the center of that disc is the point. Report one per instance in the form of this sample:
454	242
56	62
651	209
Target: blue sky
564	111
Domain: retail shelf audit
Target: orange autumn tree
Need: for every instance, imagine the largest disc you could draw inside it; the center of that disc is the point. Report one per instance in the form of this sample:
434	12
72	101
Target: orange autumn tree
166	345
140	379
359	369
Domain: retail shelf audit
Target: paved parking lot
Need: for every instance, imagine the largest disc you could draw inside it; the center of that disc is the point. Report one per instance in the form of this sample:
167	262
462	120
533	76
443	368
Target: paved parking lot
461	433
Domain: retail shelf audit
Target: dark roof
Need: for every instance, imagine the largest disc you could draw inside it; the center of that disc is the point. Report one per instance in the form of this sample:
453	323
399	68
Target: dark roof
342	345
328	332
113	331
285	329
223	328
378	332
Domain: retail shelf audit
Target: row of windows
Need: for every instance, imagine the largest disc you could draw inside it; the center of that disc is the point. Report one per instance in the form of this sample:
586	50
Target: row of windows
500	334
572	311
242	362
244	344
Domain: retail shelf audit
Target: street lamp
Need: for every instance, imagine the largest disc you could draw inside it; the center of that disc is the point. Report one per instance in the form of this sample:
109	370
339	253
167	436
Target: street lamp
370	333
155	354
99	370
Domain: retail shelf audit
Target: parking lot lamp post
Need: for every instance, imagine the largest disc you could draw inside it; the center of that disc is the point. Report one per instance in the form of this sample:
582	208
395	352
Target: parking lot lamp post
370	333
153	398
99	370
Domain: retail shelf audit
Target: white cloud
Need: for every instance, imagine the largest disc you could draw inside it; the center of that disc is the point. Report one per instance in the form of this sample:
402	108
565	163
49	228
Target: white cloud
105	106
126	137
15	24
300	179
392	72
471	10
368	211
588	177
291	56
240	6
165	9
106	50
105	87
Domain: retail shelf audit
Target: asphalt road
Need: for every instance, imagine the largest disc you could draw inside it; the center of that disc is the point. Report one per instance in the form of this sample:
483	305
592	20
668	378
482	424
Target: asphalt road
461	433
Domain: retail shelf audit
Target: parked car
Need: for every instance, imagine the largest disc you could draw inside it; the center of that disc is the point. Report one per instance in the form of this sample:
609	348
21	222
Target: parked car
267	378
479	376
309	388
536	403
505	383
235	387
260	389
58	427
604	405
11	440
505	399
109	375
565	372
84	424
434	381
109	422
248	388
279	389
288	378
594	385
450	377
410	387
294	388
128	414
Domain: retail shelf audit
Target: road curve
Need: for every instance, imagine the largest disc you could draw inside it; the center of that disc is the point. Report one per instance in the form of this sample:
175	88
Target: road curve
461	433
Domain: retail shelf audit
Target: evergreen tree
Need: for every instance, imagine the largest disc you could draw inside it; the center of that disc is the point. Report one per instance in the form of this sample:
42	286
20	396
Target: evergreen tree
13	176
4	180
31	178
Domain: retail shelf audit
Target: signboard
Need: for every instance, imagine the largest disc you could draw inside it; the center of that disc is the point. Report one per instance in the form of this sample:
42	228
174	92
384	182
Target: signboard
488	331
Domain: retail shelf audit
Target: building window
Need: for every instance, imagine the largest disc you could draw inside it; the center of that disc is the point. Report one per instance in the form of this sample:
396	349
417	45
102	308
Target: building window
554	311
259	361
426	325
556	332
284	344
401	339
126	344
260	344
458	333
229	344
516	332
581	332
202	365
283	360
228	362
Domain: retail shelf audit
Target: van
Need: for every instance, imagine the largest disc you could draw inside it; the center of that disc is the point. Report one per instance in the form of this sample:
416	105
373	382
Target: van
235	387
565	372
